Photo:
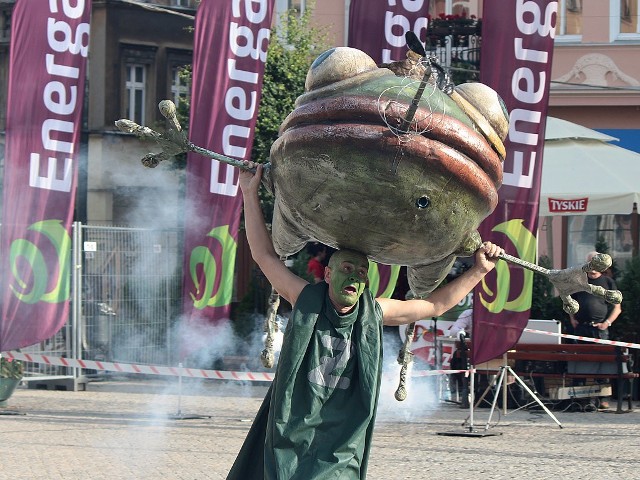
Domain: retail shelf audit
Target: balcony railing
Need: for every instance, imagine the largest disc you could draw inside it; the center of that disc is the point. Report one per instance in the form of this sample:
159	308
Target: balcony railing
456	45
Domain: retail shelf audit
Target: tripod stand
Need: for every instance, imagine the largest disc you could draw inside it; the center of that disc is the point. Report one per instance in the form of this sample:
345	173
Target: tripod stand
179	415
468	389
499	382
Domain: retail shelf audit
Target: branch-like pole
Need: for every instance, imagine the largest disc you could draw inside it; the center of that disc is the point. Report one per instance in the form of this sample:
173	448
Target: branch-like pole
572	280
405	357
411	112
174	141
267	357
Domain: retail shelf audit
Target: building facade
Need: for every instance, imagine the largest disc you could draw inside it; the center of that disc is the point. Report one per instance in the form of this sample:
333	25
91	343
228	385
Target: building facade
136	55
595	82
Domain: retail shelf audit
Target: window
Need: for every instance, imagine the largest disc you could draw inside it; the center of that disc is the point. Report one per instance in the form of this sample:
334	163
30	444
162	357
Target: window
585	231
137	79
5	25
297	5
283	6
629	17
178	75
135	92
570	12
452	7
179	85
281	14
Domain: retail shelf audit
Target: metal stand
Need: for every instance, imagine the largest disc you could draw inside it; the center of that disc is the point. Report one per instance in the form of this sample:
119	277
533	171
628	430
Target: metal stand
437	353
468	399
470	430
179	415
10	412
499	382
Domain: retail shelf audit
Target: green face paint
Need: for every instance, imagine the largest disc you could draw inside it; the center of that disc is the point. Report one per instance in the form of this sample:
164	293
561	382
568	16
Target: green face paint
348	277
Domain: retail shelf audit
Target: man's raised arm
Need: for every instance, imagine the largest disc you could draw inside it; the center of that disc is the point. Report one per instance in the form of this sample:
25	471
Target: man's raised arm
287	284
399	312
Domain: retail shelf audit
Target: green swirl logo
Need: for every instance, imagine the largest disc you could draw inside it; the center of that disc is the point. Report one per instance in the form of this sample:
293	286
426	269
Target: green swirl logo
374	280
206	294
33	287
525	243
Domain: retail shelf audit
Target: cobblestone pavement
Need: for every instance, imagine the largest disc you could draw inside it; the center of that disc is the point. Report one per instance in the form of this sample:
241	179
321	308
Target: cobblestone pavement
144	429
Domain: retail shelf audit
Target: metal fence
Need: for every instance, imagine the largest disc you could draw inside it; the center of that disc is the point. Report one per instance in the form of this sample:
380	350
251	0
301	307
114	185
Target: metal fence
458	53
126	297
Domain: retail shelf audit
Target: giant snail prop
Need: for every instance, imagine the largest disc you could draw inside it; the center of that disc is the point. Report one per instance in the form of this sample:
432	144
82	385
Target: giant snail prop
368	161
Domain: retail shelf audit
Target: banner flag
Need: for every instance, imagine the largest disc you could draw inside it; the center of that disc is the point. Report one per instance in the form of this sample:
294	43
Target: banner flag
377	27
231	41
383	279
517	49
47	64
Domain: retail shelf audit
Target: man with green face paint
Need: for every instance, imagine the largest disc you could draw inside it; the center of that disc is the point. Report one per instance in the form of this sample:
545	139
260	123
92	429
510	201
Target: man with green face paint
347	277
316	421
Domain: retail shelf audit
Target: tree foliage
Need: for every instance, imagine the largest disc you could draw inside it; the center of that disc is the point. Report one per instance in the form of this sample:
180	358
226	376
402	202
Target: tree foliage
628	323
545	304
602	246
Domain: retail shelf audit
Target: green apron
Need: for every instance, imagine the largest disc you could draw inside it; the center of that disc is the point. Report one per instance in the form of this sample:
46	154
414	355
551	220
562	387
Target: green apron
316	421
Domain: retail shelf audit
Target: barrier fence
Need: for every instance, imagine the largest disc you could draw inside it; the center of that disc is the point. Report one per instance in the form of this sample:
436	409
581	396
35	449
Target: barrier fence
175	371
585	339
126	294
235	375
126	297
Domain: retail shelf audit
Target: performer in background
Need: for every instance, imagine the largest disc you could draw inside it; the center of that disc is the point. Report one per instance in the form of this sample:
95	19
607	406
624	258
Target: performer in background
595	316
317	419
316	264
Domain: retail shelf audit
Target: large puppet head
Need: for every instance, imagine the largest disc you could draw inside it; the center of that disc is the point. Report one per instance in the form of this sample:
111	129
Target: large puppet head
346	174
390	161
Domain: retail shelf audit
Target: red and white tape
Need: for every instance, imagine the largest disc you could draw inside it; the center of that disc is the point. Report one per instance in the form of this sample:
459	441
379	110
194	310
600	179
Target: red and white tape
173	371
143	369
239	376
585	339
430	373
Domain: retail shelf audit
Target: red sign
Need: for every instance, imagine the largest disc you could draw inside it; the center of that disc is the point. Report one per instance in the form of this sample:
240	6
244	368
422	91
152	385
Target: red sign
49	49
577	205
424	344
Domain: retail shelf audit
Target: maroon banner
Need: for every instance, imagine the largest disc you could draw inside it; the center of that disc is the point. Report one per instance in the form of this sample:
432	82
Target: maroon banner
49	48
231	40
377	27
517	48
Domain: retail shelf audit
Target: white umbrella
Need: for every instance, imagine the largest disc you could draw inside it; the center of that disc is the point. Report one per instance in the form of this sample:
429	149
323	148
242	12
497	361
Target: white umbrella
582	174
562	129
